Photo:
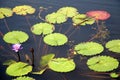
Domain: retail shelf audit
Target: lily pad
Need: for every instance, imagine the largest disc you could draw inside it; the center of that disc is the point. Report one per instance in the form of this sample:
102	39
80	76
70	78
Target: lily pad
9	62
24	78
61	65
14	37
68	11
56	18
46	59
114	75
102	63
40	72
42	28
18	69
88	48
113	45
55	39
5	12
23	10
82	19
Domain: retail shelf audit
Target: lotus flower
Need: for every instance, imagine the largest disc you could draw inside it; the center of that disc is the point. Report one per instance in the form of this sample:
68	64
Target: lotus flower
99	14
16	47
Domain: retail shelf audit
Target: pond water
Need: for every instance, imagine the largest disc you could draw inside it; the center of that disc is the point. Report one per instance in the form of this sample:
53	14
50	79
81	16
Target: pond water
82	34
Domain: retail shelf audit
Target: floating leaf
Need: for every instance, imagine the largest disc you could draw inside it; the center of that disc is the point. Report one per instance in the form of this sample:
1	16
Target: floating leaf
114	75
24	78
113	45
82	19
102	63
56	18
55	39
40	72
5	12
46	59
23	10
68	11
18	69
61	65
9	62
89	48
15	37
99	14
42	28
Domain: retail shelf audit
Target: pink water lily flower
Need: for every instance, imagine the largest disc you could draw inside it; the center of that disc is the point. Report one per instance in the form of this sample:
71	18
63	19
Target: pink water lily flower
16	47
98	14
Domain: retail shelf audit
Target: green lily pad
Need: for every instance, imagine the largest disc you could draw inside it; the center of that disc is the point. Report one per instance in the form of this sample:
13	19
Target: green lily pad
114	75
24	78
88	48
42	28
9	62
18	69
14	37
5	12
113	45
55	39
46	59
82	20
61	65
40	72
102	63
56	18
68	11
23	10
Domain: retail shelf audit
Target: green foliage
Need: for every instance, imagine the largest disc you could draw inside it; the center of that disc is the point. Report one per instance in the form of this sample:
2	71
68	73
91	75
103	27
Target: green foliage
102	63
5	12
62	65
68	11
113	45
24	78
55	39
18	69
42	28
56	18
9	62
40	72
82	19
88	48
14	37
114	75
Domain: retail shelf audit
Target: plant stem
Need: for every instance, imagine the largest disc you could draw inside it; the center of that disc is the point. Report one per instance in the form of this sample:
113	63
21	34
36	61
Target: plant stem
18	56
6	25
32	51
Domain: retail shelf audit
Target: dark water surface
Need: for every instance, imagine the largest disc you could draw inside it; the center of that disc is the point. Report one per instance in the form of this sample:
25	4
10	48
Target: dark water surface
19	23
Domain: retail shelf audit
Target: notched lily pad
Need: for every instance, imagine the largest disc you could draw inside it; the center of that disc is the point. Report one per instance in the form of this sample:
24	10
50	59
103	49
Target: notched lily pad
68	11
88	48
42	28
55	39
61	65
24	78
23	10
18	69
56	18
113	45
82	19
14	37
5	12
102	63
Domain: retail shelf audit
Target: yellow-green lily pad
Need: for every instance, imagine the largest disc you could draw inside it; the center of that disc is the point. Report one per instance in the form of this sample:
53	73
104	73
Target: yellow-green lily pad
24	78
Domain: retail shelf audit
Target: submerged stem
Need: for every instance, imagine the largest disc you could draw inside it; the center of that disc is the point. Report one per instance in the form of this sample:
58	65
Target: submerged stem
32	51
18	56
5	21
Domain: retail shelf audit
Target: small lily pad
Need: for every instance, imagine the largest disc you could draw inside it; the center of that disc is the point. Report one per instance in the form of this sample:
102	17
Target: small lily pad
42	28
56	18
14	37
40	72
9	62
61	65
102	63
114	75
55	39
113	45
82	19
24	78
68	11
5	12
18	69
88	48
23	10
